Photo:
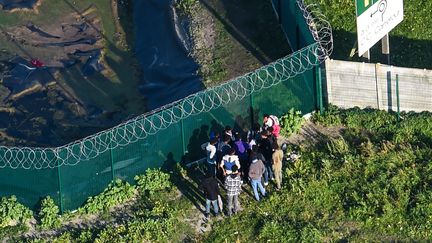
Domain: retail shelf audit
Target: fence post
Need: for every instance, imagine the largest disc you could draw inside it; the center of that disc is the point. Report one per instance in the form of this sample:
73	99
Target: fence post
397	97
111	156
60	186
251	100
182	136
318	83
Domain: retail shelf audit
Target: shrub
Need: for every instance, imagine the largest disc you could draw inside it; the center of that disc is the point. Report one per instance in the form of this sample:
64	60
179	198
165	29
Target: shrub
330	117
49	214
116	193
12	212
291	122
153	180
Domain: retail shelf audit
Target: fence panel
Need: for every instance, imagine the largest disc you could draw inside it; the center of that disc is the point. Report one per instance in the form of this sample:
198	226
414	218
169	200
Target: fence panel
84	179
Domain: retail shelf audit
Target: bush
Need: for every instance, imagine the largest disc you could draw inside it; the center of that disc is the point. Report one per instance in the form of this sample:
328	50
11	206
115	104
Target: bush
152	181
49	214
116	193
291	123
12	212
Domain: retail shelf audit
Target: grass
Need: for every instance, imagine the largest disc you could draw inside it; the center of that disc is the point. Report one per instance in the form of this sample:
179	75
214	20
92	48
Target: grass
371	183
410	41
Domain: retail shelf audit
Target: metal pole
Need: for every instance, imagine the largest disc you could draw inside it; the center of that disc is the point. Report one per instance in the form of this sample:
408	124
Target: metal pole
111	157
397	97
251	100
60	186
367	55
182	136
385	43
319	89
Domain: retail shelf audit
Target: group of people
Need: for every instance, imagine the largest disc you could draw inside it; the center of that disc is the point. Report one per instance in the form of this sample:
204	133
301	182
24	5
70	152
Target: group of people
232	158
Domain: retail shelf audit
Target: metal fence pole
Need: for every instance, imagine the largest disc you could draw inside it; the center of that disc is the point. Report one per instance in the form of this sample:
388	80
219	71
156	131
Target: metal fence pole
183	137
251	100
60	186
318	83
111	157
397	97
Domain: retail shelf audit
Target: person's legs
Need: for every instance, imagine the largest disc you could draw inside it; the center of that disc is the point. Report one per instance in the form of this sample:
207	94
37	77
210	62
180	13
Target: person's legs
278	176
266	176
262	189
236	204
230	205
215	206
270	172
207	206
254	187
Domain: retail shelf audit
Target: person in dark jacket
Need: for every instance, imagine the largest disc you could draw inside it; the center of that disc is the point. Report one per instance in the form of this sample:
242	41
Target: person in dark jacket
265	147
211	192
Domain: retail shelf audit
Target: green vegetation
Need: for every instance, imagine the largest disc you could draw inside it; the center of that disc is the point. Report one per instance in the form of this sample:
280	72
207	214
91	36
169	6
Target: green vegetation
228	39
155	216
49	214
367	185
186	6
116	193
371	182
154	180
291	122
410	42
12	212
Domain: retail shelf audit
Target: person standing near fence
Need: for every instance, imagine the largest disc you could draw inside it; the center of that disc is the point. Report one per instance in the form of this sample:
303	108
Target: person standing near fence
229	161
211	155
277	165
272	121
233	184
210	187
265	148
256	171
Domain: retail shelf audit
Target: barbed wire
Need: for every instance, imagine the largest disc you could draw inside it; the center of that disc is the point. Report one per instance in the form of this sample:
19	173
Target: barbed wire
151	123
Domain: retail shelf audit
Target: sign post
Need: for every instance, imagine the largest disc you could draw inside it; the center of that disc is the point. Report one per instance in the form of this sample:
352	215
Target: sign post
375	19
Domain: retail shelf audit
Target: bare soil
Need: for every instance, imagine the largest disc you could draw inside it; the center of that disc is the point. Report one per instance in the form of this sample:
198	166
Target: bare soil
70	28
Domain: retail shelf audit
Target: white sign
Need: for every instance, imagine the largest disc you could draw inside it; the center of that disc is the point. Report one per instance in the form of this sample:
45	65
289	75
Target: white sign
376	21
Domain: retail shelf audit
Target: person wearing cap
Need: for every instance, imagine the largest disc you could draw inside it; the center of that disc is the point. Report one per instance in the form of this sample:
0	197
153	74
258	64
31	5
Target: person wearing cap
256	171
233	183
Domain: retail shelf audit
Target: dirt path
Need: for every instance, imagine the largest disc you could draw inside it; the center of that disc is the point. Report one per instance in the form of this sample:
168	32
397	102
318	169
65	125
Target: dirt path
314	133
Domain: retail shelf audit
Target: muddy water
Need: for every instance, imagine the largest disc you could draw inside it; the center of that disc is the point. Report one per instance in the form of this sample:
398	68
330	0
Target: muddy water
162	46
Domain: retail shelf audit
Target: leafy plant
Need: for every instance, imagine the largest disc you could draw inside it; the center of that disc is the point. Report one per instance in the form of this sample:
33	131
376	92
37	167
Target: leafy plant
116	193
330	116
291	122
186	5
49	214
153	180
12	212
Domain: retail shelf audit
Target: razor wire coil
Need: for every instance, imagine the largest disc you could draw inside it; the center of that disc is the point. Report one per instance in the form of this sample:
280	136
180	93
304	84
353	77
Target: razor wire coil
150	123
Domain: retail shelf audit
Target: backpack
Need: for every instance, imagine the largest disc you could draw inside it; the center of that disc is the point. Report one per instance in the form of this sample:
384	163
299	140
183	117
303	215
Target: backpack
228	164
275	120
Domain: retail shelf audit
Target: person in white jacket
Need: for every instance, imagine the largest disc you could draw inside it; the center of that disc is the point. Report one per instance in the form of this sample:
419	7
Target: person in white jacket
210	149
228	161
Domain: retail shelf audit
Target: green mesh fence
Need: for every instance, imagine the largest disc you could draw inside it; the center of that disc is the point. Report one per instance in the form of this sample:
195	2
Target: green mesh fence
73	172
